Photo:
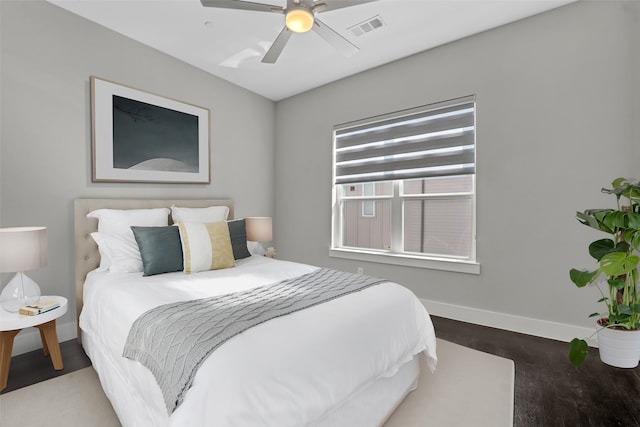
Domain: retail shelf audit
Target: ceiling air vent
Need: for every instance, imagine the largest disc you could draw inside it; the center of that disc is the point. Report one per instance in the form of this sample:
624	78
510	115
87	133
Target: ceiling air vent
367	26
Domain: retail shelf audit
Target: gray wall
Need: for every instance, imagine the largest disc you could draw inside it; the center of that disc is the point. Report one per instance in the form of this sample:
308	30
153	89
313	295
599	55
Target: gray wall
556	99
47	57
633	11
555	123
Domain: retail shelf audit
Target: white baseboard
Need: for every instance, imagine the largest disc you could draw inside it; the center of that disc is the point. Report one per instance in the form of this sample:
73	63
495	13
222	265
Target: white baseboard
510	322
29	339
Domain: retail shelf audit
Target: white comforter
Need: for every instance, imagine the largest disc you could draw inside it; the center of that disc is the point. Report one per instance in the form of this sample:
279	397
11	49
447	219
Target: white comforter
290	371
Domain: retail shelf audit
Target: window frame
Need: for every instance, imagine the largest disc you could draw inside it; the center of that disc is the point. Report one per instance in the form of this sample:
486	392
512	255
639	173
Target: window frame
396	255
462	195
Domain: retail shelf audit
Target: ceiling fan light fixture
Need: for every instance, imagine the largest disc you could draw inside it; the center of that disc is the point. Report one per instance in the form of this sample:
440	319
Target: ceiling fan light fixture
299	20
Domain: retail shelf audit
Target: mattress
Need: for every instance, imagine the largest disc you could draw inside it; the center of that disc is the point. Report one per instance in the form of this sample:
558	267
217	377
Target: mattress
353	358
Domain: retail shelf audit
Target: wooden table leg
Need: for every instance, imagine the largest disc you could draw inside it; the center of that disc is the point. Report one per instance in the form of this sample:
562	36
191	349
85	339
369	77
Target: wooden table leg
6	345
44	343
50	343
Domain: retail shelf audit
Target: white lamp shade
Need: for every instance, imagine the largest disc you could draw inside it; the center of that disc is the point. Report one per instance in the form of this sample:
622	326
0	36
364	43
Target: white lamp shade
23	248
259	228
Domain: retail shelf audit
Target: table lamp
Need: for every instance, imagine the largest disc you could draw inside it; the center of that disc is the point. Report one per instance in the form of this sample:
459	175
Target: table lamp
21	249
259	229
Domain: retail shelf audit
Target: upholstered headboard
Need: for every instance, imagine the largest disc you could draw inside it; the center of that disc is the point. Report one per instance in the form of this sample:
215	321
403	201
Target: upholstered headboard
87	256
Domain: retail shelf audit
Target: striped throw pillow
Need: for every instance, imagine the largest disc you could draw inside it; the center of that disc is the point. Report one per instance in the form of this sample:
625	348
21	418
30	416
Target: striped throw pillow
206	246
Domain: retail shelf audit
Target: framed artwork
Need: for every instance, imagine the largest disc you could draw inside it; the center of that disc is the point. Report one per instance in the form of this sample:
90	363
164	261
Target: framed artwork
142	137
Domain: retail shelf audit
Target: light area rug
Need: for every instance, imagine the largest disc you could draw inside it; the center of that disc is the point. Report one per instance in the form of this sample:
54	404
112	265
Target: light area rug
469	388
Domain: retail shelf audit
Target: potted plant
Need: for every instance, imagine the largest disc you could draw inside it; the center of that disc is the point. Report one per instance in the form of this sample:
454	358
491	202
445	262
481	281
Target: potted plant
617	262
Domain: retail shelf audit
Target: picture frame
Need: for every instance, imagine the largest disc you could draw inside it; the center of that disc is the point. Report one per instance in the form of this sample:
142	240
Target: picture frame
138	136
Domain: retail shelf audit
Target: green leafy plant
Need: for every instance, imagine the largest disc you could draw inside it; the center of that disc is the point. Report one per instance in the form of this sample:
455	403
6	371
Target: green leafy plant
617	260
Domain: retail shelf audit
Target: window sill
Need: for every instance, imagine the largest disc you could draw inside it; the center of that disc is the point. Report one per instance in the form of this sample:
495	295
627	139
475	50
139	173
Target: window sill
406	260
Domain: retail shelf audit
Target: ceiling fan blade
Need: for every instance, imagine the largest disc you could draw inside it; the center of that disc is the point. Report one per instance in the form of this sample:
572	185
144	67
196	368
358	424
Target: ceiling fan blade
333	38
326	5
278	45
241	5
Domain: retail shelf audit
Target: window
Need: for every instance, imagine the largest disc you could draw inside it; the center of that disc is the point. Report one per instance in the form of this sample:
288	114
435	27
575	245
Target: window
368	206
404	187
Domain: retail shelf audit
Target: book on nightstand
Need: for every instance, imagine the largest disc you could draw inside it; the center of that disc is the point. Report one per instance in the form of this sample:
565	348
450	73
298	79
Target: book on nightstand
38	308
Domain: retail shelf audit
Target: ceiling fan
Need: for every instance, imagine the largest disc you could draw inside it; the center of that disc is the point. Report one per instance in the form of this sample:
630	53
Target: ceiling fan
300	17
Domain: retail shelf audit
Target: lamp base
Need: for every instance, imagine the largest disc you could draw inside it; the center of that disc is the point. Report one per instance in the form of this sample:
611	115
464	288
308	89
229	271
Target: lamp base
20	291
256	248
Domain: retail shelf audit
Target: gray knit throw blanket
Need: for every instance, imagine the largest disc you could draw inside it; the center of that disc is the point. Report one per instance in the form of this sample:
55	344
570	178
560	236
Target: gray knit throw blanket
173	340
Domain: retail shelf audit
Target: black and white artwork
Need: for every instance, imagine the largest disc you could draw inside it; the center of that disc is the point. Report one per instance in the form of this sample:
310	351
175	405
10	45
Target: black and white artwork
141	137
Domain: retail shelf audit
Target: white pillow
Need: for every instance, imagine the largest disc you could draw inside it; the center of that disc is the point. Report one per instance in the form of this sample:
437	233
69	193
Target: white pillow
115	238
120	254
119	221
201	215
105	258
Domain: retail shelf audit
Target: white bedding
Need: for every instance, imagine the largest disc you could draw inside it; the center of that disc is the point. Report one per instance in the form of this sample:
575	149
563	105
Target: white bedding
291	371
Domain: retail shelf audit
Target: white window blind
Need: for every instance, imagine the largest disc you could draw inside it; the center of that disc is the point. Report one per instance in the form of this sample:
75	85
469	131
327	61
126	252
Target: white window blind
419	143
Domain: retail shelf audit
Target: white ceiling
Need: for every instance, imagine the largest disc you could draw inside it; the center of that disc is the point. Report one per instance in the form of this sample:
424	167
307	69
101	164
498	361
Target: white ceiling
230	43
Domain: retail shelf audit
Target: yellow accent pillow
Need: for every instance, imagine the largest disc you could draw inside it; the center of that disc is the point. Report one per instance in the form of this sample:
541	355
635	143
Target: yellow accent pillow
206	246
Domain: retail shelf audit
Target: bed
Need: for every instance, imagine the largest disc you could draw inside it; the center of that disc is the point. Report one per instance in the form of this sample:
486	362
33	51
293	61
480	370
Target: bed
349	361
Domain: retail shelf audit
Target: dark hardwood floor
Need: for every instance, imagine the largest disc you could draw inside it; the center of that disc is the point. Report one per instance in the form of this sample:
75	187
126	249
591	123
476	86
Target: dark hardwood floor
549	392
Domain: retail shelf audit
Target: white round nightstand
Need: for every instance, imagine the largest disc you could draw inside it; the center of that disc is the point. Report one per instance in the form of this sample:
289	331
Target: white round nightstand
12	323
